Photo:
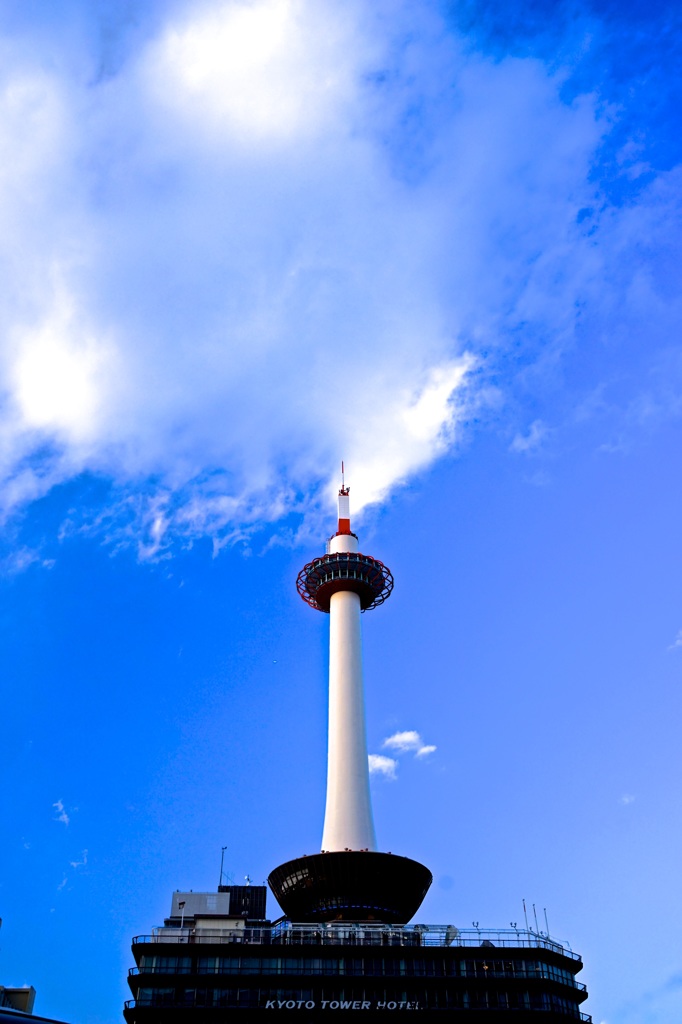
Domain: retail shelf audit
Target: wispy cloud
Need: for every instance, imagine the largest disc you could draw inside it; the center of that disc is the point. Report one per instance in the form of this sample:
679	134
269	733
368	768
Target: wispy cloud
75	865
525	444
425	750
61	814
381	765
626	799
408	742
677	642
22	558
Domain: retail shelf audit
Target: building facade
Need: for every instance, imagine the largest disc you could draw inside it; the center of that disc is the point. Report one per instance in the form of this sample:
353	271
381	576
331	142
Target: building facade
239	969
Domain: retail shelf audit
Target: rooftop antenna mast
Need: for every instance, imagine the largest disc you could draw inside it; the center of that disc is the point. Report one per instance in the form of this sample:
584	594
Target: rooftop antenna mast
222	861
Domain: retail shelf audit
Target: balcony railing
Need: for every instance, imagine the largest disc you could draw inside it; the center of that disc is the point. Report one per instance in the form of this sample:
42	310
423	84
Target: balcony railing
287	933
337	968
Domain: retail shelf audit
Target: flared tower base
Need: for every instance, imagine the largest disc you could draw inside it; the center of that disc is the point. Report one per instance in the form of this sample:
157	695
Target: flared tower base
351	885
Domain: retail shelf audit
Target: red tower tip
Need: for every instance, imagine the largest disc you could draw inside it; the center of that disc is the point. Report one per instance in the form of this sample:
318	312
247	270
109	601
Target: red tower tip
344	505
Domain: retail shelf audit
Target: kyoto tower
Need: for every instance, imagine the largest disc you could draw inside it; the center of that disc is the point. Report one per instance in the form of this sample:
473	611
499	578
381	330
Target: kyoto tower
349	880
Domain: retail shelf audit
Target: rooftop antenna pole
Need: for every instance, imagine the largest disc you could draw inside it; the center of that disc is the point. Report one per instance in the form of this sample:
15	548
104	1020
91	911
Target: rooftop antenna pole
222	861
537	930
546	921
525	914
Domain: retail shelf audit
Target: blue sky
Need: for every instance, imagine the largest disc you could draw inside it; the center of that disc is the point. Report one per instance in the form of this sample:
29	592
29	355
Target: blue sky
240	242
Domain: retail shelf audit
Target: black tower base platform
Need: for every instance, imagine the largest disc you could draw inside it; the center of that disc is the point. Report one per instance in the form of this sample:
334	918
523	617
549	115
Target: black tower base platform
350	886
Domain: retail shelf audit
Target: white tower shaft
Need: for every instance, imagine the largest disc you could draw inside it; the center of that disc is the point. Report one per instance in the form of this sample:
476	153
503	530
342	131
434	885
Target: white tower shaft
348	822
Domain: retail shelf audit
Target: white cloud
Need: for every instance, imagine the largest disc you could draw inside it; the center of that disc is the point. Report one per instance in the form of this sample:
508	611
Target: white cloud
265	72
80	863
61	813
381	765
57	378
408	742
627	798
403	741
239	259
425	751
417	425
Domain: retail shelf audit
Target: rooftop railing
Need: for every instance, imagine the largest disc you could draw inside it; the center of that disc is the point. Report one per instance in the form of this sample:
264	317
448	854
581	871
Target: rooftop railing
287	933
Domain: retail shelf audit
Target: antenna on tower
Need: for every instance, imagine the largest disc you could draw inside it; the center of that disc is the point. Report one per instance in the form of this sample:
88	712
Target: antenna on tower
344	489
222	861
525	913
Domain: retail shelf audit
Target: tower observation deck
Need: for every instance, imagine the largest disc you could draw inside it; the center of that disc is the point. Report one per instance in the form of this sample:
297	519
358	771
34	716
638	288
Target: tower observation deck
350	879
